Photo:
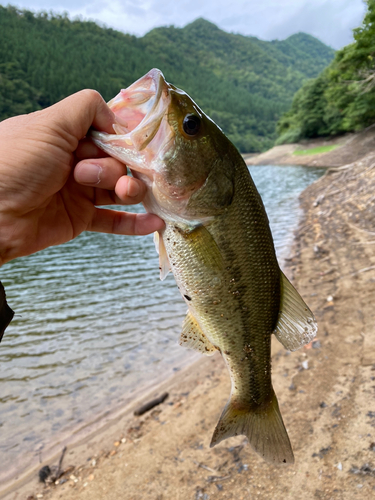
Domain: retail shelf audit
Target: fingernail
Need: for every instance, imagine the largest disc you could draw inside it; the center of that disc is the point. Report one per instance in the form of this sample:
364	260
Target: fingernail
89	173
133	188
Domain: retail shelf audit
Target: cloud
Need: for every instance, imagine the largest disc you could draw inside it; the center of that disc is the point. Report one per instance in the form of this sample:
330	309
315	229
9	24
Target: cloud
331	21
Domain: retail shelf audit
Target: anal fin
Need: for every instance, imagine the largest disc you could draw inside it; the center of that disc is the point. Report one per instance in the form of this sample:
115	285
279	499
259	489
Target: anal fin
296	325
192	337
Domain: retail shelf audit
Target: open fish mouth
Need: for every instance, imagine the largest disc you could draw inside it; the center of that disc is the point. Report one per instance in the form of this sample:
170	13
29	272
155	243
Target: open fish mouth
141	130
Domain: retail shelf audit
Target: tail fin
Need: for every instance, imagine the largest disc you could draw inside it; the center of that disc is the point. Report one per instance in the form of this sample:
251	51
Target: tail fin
264	429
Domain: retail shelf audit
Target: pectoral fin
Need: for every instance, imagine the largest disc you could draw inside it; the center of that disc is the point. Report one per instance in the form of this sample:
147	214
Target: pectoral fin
192	337
296	324
164	264
205	247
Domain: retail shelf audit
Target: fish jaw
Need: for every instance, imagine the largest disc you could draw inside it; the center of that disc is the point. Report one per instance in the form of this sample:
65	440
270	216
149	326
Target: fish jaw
141	132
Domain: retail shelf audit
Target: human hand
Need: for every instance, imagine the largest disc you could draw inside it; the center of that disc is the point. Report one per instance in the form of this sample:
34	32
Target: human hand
52	179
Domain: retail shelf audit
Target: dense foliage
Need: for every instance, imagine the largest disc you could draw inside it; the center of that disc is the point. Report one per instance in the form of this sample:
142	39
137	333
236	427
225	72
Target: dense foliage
342	98
243	83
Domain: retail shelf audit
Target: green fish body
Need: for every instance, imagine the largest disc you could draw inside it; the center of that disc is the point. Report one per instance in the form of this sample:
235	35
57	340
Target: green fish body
219	246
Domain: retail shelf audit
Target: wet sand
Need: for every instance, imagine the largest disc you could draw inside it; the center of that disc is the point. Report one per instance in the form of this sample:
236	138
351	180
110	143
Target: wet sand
326	392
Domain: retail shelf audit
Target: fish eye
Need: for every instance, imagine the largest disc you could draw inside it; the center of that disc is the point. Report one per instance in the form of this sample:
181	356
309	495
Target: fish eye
191	124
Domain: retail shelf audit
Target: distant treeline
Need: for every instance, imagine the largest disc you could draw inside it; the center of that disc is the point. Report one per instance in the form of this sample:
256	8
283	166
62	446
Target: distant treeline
342	98
243	83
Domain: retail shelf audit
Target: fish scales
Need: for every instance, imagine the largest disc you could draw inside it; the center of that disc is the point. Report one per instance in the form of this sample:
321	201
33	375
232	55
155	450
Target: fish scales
220	297
218	244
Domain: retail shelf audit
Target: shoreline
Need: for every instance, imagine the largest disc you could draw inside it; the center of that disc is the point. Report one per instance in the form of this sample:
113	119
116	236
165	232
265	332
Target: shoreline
349	149
325	393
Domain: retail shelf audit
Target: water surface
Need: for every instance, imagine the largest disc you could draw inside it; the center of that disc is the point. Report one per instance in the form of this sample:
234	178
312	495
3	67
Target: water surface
94	324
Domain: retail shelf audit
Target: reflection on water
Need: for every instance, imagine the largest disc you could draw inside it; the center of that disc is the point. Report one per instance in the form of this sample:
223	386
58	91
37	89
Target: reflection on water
94	323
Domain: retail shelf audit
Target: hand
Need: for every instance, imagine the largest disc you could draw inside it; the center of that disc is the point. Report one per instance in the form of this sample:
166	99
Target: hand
52	179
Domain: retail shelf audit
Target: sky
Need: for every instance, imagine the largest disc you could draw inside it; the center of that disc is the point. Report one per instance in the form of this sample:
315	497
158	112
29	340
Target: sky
331	21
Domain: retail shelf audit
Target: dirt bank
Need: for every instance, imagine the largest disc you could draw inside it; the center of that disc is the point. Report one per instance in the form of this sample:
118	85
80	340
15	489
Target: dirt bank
350	148
326	393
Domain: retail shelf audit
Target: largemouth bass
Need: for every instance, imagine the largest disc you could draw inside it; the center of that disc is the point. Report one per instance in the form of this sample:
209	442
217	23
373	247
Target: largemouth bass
218	244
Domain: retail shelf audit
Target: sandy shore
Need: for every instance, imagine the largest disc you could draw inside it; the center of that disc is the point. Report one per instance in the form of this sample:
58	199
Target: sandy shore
326	393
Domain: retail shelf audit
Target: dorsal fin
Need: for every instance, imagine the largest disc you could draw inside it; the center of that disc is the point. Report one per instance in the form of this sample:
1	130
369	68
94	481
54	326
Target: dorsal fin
192	337
296	325
164	264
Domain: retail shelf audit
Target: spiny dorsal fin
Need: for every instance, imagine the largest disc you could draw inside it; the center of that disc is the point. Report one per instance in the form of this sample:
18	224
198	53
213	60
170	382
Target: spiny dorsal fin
192	337
296	325
164	264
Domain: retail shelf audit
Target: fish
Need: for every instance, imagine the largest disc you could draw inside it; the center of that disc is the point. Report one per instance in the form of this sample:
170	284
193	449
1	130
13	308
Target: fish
218	244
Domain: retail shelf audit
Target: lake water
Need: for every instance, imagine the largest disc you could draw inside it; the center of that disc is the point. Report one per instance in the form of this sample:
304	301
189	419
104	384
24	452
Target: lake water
94	325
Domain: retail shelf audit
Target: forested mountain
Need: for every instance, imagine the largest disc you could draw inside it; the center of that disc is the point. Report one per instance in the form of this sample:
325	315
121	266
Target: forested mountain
243	83
342	98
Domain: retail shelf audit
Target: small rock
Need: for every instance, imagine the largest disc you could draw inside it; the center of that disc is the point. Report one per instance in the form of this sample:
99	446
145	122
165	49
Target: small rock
116	443
113	452
305	364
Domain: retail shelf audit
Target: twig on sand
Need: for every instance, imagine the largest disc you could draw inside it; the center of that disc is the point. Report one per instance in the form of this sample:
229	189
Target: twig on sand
151	404
365	269
206	468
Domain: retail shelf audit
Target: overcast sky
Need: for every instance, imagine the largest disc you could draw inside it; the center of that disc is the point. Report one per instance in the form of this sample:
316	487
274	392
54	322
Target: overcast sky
331	21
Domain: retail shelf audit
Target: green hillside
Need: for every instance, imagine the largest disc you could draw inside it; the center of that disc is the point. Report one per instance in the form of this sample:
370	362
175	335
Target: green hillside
342	98
243	83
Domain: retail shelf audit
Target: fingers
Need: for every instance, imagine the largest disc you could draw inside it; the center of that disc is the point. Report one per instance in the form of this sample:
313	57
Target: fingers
114	222
87	149
108	177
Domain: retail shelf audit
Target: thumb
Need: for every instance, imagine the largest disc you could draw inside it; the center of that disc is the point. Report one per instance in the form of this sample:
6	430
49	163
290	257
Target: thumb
77	113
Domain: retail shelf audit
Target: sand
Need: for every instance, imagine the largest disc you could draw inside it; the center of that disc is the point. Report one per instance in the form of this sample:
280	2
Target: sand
326	392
